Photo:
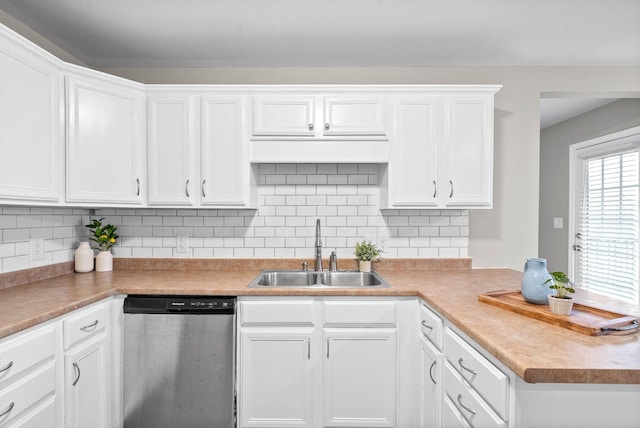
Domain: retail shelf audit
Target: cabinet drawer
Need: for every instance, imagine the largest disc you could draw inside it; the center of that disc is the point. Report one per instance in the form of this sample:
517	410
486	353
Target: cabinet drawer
43	416
360	312
479	372
19	396
25	351
431	326
277	312
467	402
84	324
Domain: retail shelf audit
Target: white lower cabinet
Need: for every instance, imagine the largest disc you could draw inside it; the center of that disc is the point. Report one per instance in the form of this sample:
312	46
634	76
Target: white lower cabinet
359	377
62	373
28	377
320	362
277	382
431	385
89	393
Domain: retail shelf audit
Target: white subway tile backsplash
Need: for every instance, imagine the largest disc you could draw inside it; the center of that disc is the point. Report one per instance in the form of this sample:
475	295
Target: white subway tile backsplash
291	197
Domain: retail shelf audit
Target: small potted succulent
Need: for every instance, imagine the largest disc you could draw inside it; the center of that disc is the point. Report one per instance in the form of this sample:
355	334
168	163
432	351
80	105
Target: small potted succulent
105	236
560	303
366	252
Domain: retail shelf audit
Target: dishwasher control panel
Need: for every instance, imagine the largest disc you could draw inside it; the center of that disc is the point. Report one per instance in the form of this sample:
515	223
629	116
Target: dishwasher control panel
180	304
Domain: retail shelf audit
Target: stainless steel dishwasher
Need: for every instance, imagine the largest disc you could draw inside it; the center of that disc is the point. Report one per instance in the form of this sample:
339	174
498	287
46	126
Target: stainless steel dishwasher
179	362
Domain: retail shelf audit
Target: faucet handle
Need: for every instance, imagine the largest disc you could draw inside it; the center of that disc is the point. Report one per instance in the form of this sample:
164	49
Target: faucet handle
305	266
333	262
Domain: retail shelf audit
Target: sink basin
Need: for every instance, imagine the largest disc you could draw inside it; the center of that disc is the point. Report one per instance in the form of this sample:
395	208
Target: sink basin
308	279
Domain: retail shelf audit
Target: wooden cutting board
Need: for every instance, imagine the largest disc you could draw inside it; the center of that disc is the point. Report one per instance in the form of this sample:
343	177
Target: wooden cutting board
583	319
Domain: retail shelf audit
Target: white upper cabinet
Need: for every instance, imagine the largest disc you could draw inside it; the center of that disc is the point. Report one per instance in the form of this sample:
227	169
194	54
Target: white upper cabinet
198	150
319	116
467	151
31	130
441	154
227	179
355	115
172	144
106	121
284	116
413	159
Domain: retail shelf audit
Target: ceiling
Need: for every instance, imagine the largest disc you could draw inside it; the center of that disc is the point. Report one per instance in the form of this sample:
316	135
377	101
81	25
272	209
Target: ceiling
186	33
556	110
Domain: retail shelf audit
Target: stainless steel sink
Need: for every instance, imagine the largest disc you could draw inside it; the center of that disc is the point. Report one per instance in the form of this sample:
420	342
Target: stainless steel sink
308	279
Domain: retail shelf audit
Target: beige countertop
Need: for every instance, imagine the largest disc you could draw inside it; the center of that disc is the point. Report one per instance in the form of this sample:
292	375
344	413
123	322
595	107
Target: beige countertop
534	350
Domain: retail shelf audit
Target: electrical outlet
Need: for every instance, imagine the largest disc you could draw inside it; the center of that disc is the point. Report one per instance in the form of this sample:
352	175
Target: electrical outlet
37	249
182	244
558	222
383	241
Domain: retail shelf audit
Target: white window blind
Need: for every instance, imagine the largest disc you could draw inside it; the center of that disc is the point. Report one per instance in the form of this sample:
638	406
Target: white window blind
608	219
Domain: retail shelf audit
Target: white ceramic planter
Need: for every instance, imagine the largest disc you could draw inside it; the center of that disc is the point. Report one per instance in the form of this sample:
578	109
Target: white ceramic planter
104	261
560	306
365	266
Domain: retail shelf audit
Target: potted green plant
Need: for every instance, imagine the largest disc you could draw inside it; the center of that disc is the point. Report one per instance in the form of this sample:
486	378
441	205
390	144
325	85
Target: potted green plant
105	236
560	303
366	252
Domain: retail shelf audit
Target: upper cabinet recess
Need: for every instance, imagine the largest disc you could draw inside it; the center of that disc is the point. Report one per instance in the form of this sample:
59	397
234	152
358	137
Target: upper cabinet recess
319	124
319	116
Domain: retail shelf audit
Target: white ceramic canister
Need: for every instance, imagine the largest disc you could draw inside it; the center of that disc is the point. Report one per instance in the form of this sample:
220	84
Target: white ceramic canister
84	258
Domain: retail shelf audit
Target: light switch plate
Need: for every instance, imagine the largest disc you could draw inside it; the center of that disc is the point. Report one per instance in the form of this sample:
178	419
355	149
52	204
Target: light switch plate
558	222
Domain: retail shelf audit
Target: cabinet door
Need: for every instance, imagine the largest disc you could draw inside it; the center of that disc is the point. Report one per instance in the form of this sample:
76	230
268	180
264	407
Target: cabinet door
413	155
431	385
363	115
225	160
86	386
276	377
106	129
359	377
284	116
31	133
172	144
467	151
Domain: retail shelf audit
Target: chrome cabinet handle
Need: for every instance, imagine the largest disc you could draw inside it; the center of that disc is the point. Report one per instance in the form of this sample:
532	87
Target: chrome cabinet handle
204	195
435	189
89	326
76	368
327	349
308	348
473	372
431	373
10	408
424	324
326	126
186	188
311	127
451	186
138	184
463	406
7	367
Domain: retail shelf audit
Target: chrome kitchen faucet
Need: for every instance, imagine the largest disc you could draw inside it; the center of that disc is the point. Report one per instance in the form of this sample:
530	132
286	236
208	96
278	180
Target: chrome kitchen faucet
318	247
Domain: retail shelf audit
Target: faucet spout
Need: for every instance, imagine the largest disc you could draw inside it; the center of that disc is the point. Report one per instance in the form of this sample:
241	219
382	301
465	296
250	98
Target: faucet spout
318	247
